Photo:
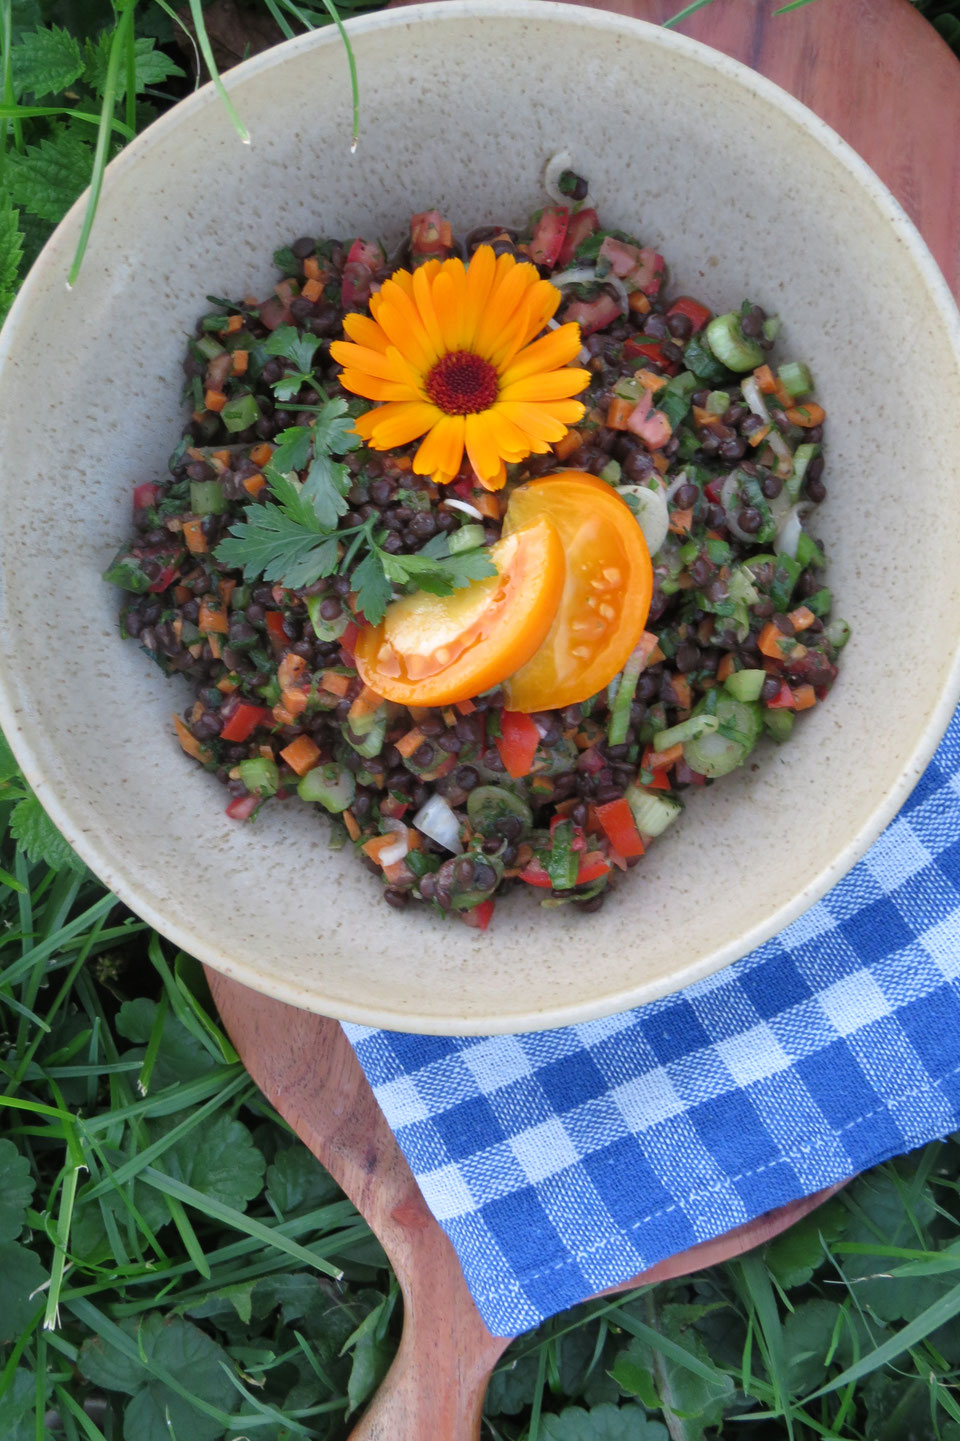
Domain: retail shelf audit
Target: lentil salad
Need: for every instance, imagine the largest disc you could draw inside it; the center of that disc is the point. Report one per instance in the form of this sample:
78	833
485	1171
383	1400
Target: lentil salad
688	421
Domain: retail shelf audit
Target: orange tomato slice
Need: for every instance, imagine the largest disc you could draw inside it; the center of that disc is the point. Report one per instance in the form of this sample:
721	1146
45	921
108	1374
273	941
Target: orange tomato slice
434	650
606	596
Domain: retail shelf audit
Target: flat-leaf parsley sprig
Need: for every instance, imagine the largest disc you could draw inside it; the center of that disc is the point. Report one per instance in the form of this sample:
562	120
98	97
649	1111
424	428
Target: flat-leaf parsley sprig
295	540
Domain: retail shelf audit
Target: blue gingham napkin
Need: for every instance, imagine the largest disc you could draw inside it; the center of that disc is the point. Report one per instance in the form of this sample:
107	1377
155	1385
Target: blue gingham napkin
565	1161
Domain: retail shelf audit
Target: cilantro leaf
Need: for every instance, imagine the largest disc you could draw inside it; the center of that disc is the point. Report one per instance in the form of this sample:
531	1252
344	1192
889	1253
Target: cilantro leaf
289	344
11	252
292	501
35	832
333	429
325	487
374	590
45	62
439	574
272	545
49	177
288	386
293	448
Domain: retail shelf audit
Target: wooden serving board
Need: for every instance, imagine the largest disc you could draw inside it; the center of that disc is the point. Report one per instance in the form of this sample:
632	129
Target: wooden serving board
882	77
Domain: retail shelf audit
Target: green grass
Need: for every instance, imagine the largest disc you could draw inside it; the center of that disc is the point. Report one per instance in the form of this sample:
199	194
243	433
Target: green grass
173	1263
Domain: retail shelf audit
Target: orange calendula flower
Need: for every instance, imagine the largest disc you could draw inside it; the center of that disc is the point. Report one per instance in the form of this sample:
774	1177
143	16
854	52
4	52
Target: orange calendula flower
451	354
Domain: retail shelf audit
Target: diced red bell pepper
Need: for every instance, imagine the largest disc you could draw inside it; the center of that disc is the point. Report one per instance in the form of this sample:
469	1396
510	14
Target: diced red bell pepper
783	700
244	720
660	781
517	742
593	315
535	875
649	349
549	234
348	642
579	841
393	808
651	425
144	496
429	234
697	314
242	808
620	828
592	867
362	260
580	228
275	630
714	491
479	917
164	579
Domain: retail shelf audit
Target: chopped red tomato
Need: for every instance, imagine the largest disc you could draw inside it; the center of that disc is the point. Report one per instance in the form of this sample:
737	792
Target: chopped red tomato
517	742
479	917
783	700
362	260
591	868
145	495
697	314
581	227
429	234
651	425
244	721
593	315
549	234
348	641
618	824
242	808
275	630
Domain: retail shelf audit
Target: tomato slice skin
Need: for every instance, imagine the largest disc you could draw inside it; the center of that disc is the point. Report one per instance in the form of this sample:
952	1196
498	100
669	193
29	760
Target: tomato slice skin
435	650
606	595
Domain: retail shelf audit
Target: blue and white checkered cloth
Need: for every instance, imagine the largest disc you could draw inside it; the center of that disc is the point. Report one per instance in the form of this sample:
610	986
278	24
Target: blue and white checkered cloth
565	1161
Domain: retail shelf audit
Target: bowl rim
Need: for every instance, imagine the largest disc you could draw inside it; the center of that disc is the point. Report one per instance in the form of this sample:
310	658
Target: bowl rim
17	728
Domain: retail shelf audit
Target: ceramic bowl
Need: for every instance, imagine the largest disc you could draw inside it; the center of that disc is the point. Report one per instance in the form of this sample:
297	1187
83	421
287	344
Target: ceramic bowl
462	104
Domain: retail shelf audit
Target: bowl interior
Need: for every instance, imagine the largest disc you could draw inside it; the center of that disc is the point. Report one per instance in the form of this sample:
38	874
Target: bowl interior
747	196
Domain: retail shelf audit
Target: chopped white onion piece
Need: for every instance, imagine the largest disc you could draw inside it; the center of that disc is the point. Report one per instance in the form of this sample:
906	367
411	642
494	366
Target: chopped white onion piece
586	275
783	453
437	820
790	531
390	854
675	484
652	515
754	398
552	171
730	506
463	505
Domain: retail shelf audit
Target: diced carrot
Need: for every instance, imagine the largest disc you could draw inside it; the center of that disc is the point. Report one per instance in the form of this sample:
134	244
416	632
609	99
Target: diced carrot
286	290
681	689
725	667
619	412
650	380
567	444
655	656
290	670
225	590
661	463
213	641
376	844
194	536
706	418
254	484
407	744
769	641
212	616
350	821
443	769
198	415
312	290
189	742
311	268
365	704
802	618
705	629
638	302
294	701
214	399
807	415
227	684
782	394
681	521
446	234
663	760
182	593
465	707
301	755
804	696
282	716
418	712
760	435
765	378
403	462
241	359
334	682
397	872
488	505
660	781
261	453
178	627
449	716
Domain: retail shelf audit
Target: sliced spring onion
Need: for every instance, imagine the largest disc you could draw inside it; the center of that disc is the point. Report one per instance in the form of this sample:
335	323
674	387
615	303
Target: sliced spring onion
391	854
437	820
809	553
729	344
240	413
488	805
552	171
779	723
652	514
796	378
745	684
629	387
790	531
260	776
325	630
801	459
468	537
717	402
652	810
370	736
619	722
690	729
724	749
838	633
772	327
330	785
611	472
463	505
207	497
753	395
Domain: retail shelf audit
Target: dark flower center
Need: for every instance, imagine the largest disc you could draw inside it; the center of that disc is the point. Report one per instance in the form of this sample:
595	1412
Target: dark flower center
462	383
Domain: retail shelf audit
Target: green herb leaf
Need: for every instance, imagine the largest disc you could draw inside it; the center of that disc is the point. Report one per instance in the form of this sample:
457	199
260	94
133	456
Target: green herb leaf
290	344
440	575
16	1191
374	590
8	764
333	429
326	486
11	252
39	837
221	1161
151	66
282	550
289	492
45	61
21	1274
297	1182
49	177
289	385
602	1423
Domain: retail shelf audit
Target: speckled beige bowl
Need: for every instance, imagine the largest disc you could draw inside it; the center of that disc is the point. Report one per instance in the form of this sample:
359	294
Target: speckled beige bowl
747	194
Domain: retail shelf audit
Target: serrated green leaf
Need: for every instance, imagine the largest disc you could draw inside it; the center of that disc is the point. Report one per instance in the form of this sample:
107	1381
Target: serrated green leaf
16	1190
512	1386
181	1056
8	764
17	1409
152	66
288	386
374	590
220	1160
49	177
603	1423
35	832
21	1275
333	429
325	487
271	545
292	449
794	1256
296	1181
45	61
287	342
288	492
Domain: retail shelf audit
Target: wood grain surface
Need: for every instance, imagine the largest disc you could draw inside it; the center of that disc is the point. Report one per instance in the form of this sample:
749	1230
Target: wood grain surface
882	77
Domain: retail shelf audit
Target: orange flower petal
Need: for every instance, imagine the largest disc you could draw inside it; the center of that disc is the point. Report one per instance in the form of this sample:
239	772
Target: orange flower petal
449	299
538	306
373	389
550	352
400	320
551	385
388	366
398	424
480	278
540	423
509	288
423	299
365	331
495	482
489	440
442	448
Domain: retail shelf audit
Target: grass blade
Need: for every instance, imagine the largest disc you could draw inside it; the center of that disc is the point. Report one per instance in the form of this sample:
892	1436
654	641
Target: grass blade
942	1311
206	50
